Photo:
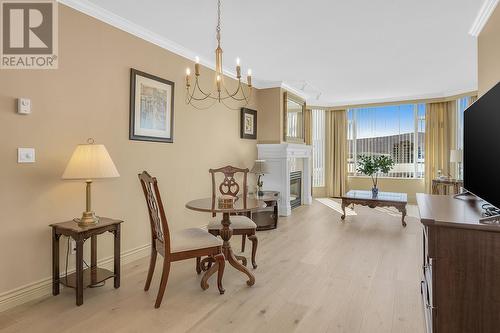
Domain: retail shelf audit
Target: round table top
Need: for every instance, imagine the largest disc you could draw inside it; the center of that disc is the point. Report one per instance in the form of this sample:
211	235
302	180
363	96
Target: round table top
239	206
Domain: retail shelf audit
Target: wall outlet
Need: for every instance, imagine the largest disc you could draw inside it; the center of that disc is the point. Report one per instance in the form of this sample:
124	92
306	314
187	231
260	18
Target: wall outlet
72	246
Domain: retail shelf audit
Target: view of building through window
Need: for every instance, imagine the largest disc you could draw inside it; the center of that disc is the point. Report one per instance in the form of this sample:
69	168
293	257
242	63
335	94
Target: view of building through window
396	131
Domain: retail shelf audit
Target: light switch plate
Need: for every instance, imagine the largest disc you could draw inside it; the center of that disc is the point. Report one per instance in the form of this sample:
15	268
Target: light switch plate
24	106
25	155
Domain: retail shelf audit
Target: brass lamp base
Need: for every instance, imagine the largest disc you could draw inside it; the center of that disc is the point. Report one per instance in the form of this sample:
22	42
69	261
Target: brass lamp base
88	218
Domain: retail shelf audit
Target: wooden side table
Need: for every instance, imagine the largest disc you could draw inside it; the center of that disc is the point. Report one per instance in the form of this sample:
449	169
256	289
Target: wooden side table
444	184
267	218
93	275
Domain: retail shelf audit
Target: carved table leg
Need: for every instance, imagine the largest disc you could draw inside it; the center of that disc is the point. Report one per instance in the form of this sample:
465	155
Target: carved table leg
344	204
55	262
242	259
117	256
226	232
79	271
214	268
206	263
402	209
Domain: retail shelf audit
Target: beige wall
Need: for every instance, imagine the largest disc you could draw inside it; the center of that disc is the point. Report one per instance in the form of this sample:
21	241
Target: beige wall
489	53
88	96
270	115
409	186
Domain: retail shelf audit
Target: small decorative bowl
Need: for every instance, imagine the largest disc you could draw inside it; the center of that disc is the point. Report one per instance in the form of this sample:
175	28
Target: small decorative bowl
226	201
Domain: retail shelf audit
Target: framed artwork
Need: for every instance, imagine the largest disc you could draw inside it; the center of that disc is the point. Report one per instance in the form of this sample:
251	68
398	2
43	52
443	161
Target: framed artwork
248	124
151	108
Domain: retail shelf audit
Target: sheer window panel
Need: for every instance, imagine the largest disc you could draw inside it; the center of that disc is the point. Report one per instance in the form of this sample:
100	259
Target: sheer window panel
319	137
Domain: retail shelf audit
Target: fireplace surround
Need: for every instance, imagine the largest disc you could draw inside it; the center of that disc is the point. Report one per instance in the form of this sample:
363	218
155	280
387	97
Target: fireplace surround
278	158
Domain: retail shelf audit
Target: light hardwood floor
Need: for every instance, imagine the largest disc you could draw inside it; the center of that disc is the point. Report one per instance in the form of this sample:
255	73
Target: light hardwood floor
315	274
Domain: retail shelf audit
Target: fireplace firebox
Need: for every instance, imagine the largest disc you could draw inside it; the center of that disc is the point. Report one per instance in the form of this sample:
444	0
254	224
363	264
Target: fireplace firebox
295	189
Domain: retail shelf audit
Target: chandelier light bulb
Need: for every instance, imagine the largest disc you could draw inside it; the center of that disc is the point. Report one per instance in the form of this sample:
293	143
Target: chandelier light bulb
188	71
218	78
237	61
197	59
249	73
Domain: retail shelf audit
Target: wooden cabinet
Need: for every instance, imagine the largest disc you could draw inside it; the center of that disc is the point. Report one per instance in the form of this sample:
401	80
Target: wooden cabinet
460	267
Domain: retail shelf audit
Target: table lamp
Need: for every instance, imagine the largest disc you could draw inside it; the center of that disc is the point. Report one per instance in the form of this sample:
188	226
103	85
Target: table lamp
89	161
456	156
260	169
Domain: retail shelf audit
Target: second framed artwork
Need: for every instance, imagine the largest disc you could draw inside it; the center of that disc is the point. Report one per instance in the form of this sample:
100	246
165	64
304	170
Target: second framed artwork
151	108
248	124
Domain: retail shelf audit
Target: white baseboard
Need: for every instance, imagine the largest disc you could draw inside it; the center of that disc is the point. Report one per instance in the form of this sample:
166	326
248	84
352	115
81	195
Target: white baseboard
43	287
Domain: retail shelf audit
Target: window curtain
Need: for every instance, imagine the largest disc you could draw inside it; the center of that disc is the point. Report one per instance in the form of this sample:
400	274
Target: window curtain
472	99
308	126
440	138
336	153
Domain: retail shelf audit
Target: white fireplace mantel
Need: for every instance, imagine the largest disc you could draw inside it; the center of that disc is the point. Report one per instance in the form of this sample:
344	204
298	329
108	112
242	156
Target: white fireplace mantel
278	159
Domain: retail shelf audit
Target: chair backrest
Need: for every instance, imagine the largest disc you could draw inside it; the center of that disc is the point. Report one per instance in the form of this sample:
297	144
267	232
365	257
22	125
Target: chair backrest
159	226
229	185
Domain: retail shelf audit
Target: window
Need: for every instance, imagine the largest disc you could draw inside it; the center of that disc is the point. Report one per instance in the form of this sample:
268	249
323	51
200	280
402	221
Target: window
318	137
397	131
462	104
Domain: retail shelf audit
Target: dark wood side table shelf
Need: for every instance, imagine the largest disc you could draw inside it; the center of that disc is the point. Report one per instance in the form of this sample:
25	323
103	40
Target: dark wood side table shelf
93	275
441	185
267	218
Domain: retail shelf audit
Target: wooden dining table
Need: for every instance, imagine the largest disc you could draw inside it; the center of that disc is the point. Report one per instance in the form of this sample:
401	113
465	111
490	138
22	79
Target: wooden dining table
241	205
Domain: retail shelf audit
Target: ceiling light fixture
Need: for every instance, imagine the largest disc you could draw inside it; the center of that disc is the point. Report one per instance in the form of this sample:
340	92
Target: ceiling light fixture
196	95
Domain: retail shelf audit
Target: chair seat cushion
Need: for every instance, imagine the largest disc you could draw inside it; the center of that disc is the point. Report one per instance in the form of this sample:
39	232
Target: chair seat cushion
192	239
237	222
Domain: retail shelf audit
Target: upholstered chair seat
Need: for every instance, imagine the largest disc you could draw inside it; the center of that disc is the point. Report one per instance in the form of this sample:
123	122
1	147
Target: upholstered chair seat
237	222
192	239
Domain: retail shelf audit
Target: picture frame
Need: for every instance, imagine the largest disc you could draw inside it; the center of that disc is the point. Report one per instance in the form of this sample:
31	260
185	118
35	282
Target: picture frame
248	124
151	108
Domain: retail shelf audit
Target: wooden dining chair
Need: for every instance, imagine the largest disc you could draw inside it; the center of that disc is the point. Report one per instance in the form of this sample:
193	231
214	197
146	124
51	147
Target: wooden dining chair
240	224
178	245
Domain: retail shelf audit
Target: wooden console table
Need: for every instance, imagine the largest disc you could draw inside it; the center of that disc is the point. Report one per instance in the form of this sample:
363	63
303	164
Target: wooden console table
93	275
383	199
460	268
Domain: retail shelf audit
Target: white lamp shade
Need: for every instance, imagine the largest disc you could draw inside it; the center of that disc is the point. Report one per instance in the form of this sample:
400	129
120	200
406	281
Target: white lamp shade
90	161
260	167
456	155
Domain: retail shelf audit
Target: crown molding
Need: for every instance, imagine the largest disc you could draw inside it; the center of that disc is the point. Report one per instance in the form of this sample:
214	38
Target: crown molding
264	84
408	99
482	17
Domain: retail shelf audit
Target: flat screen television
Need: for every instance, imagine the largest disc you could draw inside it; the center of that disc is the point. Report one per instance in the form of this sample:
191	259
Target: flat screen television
482	147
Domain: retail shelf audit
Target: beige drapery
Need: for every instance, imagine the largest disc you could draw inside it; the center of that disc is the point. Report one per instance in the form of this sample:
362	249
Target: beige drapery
336	153
308	126
440	138
472	99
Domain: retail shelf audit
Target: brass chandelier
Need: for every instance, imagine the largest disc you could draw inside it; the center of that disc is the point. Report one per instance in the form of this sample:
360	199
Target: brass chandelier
195	95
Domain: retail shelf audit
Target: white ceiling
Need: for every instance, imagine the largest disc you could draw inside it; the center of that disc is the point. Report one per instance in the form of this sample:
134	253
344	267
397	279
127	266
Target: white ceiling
350	52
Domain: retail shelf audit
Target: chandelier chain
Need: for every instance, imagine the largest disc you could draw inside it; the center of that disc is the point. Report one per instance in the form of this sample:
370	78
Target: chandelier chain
218	22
